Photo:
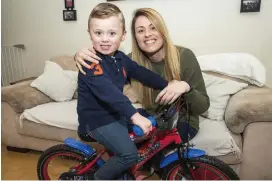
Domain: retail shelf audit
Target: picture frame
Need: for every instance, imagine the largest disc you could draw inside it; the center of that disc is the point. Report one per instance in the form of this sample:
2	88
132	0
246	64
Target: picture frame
69	4
69	15
250	6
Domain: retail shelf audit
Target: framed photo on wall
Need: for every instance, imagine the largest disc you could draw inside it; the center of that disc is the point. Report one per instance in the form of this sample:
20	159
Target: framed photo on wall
69	15
69	4
250	6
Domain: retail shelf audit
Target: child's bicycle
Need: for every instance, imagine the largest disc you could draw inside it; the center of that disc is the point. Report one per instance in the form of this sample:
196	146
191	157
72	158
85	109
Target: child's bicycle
162	151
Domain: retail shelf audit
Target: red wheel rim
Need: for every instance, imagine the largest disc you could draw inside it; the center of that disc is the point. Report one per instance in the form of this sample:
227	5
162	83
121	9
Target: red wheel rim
202	171
45	166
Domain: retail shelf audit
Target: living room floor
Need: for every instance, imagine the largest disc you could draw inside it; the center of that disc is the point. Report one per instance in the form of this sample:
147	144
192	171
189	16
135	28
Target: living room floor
18	166
23	166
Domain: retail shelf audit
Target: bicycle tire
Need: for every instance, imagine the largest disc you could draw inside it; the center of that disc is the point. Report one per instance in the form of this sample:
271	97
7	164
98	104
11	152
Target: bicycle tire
227	173
55	150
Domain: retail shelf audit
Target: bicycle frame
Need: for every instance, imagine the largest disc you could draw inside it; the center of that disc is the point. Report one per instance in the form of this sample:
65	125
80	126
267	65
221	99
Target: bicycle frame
154	142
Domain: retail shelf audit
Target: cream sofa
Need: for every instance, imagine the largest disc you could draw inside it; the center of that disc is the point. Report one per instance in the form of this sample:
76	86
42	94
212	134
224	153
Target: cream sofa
248	116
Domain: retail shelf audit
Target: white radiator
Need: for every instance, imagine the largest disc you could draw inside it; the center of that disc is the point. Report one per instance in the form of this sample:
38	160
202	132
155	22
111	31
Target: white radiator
12	64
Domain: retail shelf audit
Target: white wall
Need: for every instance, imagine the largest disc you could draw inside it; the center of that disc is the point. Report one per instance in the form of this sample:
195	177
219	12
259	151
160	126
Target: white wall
210	26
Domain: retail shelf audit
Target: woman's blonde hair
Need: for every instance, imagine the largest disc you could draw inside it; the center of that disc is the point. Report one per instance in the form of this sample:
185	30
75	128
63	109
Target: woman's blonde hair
171	54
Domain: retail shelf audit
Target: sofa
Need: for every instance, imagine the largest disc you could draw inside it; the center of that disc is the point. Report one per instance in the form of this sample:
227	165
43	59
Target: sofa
248	117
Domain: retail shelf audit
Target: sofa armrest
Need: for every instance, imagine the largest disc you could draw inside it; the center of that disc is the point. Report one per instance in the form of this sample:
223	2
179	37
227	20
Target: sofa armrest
22	96
252	104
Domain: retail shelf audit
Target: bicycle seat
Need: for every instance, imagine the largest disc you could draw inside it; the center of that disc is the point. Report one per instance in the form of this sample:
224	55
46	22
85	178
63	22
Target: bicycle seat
86	137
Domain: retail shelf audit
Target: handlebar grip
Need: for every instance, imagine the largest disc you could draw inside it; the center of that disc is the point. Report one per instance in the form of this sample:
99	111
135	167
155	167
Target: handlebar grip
138	131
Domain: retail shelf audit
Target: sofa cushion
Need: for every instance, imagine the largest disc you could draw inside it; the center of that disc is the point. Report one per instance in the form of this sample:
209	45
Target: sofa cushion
215	138
58	84
233	158
22	96
219	91
239	65
216	74
58	114
37	130
67	63
253	104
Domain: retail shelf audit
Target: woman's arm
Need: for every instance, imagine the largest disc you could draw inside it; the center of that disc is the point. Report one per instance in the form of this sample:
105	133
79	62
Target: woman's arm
144	75
192	85
88	54
197	96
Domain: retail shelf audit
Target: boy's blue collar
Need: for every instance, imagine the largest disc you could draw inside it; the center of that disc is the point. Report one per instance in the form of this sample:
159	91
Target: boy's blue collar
117	55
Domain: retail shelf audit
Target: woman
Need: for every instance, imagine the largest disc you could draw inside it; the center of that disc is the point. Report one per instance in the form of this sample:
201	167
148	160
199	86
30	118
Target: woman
153	49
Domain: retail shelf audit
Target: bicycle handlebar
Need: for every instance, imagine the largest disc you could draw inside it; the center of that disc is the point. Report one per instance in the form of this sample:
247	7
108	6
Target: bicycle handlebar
138	131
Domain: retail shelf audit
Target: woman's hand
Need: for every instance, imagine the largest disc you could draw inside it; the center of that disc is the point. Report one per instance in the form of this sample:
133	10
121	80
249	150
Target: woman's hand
142	122
88	54
170	93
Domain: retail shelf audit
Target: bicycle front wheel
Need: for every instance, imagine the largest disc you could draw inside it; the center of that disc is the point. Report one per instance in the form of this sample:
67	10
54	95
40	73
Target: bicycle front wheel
204	168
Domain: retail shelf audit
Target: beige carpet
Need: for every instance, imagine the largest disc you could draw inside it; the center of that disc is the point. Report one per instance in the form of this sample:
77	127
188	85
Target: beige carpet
18	166
23	166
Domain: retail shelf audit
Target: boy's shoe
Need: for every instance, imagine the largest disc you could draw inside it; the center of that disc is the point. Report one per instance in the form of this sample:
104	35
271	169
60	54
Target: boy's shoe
74	176
127	176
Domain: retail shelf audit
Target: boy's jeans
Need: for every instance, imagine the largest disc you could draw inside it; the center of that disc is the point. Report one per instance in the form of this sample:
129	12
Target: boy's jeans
115	137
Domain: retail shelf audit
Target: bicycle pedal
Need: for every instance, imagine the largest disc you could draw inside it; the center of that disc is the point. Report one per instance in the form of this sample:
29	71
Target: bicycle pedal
74	176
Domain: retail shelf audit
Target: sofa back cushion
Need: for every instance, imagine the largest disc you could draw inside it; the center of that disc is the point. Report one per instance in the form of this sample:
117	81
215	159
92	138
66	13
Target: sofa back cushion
216	74
60	85
239	65
219	91
65	61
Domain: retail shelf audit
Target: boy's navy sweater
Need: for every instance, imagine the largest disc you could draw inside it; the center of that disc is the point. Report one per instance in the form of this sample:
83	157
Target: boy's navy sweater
100	92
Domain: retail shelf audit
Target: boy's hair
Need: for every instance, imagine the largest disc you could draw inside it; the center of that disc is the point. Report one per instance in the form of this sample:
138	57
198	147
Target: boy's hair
106	10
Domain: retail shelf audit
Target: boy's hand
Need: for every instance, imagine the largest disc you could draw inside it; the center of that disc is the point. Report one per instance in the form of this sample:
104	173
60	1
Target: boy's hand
142	122
88	54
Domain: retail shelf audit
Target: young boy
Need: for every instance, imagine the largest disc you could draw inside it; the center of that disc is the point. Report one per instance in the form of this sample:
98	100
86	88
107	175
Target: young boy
102	108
